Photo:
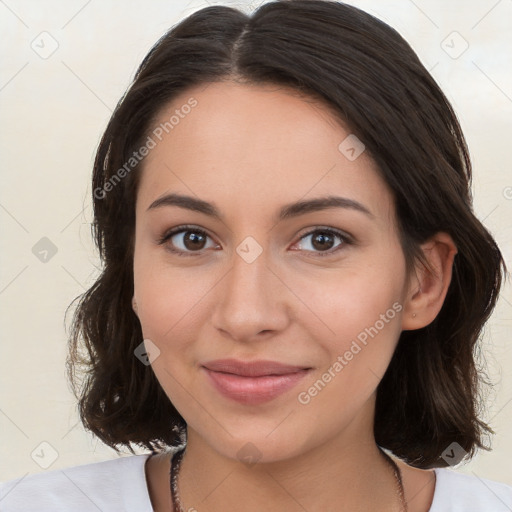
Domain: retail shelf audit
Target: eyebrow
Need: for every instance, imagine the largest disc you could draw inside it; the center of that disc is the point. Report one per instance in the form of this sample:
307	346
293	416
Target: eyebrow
286	212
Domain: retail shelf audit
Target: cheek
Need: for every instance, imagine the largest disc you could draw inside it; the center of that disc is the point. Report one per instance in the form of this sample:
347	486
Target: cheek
166	296
168	301
351	300
361	310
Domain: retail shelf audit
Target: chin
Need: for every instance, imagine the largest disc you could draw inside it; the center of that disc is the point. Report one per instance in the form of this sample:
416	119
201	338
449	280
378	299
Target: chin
257	443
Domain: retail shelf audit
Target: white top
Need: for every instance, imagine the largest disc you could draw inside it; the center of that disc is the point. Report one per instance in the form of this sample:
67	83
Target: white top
119	485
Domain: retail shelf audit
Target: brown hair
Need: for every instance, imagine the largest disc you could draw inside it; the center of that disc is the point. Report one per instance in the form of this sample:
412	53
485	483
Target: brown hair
374	82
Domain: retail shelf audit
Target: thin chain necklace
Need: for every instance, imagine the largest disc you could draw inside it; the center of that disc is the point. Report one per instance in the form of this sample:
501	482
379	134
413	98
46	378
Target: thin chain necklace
178	456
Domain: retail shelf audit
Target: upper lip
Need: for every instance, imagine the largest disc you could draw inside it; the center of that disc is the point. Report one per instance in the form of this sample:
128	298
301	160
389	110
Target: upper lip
252	368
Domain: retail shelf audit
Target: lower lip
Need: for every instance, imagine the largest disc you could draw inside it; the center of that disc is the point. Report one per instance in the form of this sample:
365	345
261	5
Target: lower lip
254	390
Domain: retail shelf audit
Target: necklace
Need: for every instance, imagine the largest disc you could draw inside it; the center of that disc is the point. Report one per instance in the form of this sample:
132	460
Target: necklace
178	456
398	478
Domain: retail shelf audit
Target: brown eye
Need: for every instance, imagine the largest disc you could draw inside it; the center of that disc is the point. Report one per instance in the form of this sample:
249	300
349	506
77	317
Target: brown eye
185	240
193	240
323	241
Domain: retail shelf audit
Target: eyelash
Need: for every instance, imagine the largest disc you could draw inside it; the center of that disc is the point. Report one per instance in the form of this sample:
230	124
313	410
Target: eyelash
346	239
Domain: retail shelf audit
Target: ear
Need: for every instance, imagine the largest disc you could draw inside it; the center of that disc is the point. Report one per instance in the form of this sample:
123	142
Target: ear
428	288
134	305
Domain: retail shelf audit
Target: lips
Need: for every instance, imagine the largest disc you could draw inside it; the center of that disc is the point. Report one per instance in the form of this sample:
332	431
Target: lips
253	382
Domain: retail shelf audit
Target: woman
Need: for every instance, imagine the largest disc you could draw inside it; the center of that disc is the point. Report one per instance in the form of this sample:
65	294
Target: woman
294	281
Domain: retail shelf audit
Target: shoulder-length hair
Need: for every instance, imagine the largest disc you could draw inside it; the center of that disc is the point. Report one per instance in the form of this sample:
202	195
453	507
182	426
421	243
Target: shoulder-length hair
430	395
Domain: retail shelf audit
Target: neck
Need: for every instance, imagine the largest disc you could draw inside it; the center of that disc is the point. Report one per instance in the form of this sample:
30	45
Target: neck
348	470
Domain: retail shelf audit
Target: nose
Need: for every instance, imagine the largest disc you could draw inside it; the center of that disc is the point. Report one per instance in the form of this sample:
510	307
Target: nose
251	300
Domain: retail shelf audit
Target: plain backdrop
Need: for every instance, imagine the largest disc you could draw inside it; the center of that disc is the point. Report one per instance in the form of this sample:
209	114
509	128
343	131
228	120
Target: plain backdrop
64	66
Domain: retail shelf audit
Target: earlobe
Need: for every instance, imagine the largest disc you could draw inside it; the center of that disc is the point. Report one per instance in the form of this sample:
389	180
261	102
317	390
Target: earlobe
429	286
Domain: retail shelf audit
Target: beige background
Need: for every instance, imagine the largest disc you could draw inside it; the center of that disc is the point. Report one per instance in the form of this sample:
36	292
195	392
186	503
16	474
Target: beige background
53	112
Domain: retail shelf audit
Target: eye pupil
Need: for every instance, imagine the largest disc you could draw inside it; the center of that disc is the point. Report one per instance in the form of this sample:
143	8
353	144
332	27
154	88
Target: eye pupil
196	240
319	240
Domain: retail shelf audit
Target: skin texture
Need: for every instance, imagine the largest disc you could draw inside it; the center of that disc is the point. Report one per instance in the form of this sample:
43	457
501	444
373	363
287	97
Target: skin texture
250	150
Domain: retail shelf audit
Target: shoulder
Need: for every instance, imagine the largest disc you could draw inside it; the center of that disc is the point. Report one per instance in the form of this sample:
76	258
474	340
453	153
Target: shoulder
460	492
112	485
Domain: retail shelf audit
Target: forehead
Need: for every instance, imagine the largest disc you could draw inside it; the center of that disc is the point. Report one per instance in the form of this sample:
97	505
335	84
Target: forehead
255	147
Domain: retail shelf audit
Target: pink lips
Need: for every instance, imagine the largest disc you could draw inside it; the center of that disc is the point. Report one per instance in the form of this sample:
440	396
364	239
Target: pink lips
253	382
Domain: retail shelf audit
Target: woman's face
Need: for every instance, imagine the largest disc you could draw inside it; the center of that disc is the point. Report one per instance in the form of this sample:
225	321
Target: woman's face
275	325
